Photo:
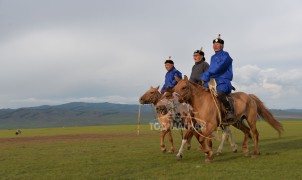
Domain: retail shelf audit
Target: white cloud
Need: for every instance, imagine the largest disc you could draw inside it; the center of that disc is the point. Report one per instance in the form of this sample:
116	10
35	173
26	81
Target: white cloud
272	84
114	51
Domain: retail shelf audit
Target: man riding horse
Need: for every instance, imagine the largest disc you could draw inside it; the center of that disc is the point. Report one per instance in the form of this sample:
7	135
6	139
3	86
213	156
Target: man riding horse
170	81
199	67
221	70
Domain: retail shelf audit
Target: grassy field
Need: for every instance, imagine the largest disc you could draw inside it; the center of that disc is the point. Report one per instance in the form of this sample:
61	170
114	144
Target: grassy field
116	152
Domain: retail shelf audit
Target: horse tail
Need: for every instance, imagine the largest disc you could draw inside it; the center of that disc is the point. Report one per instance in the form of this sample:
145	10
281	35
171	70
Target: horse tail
264	113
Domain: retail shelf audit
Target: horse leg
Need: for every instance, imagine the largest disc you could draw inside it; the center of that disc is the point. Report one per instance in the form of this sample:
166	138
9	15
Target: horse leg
210	144
247	136
197	137
256	140
181	149
162	140
252	123
230	139
171	141
219	150
205	146
189	136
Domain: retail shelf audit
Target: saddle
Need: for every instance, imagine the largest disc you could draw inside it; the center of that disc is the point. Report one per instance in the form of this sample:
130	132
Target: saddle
212	86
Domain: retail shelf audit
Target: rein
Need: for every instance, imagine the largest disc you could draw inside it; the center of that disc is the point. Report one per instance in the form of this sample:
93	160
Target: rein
193	126
212	86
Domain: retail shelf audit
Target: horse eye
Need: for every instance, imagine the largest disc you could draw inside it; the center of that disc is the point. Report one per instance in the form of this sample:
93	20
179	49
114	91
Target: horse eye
152	92
183	88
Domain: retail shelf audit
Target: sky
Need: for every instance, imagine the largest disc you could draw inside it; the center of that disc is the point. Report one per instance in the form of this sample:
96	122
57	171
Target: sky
61	51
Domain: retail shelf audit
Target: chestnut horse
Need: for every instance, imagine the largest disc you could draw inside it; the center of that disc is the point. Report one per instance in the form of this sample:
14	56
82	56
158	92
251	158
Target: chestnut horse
164	104
165	118
246	106
170	103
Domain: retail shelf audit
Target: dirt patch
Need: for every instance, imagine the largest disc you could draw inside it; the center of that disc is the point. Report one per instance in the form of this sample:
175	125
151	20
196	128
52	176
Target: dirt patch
72	137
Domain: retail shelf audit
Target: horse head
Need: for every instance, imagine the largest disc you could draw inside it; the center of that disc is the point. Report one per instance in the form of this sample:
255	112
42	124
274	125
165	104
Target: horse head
182	89
151	96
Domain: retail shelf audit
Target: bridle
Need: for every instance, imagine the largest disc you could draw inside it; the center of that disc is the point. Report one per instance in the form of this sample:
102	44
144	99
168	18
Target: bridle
155	98
187	92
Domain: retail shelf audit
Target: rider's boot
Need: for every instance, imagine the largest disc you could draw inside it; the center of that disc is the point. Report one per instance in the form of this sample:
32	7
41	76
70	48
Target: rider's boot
228	106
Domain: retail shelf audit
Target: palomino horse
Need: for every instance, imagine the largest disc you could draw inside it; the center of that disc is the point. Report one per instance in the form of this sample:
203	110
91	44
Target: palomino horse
164	104
246	106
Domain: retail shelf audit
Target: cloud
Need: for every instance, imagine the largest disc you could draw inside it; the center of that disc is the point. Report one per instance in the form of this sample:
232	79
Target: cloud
272	84
56	51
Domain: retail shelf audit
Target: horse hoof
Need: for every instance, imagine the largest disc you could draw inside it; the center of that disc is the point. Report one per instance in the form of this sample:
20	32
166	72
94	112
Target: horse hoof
179	157
235	151
254	156
171	152
218	153
164	151
246	154
208	160
189	147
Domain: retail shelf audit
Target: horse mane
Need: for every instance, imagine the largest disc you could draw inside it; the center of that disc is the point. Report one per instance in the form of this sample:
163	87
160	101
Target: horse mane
199	87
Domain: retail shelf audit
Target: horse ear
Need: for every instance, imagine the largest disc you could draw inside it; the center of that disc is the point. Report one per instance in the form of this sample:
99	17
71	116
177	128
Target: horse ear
157	87
185	78
177	78
151	87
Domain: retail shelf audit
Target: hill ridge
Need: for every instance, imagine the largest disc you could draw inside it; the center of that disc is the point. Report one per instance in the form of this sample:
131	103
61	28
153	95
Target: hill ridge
90	114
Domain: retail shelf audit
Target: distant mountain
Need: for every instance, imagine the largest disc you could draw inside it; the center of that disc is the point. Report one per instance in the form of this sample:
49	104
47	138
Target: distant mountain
91	114
73	114
287	114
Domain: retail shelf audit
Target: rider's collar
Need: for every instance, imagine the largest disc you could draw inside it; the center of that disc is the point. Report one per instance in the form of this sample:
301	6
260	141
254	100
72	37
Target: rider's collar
172	69
218	52
199	62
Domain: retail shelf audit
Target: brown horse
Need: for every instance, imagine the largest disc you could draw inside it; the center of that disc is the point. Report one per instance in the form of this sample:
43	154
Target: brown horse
246	107
188	120
165	118
169	103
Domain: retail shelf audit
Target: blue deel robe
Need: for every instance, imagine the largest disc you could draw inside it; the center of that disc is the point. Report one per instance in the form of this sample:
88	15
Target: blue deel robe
170	78
221	70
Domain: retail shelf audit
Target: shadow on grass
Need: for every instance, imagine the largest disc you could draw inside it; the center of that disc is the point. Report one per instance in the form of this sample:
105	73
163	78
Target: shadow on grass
267	149
283	145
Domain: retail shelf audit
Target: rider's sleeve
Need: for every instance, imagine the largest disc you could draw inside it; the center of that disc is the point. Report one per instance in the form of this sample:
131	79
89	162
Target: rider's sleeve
205	66
178	74
205	76
165	85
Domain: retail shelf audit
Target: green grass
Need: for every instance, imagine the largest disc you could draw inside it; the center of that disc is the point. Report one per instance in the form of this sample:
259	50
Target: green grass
120	154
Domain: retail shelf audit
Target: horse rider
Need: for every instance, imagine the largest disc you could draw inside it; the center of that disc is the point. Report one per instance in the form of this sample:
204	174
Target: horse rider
170	80
200	66
221	70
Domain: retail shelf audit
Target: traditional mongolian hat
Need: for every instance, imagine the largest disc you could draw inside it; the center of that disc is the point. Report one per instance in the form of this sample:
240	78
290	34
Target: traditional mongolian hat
199	52
218	40
169	61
